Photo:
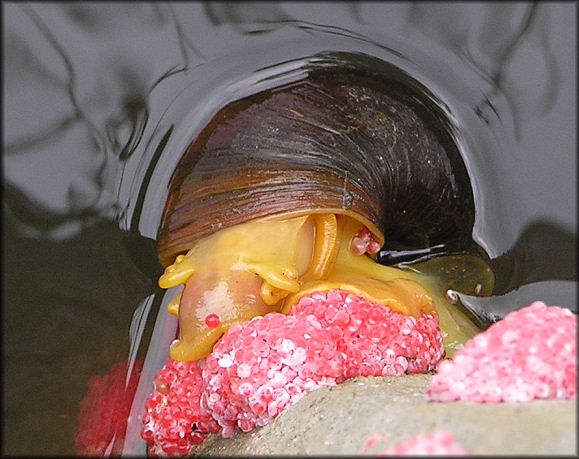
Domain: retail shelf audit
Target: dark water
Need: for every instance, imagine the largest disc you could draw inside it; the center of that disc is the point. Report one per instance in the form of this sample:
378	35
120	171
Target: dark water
101	99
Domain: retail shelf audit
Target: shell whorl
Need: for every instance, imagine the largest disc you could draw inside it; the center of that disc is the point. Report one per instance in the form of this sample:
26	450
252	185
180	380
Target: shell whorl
345	137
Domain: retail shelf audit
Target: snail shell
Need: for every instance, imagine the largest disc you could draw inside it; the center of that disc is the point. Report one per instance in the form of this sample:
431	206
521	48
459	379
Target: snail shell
342	138
346	140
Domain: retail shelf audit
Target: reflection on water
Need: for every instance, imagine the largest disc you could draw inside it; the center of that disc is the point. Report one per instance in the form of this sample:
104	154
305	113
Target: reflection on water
506	34
100	100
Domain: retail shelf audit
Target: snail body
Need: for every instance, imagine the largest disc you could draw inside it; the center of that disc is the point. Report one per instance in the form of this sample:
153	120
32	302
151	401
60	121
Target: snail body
273	198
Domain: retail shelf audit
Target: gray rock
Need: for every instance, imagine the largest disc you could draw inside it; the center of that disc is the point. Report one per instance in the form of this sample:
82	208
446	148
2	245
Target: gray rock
341	420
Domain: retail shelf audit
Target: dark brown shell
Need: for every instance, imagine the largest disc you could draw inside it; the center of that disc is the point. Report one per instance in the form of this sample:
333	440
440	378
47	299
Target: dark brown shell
348	136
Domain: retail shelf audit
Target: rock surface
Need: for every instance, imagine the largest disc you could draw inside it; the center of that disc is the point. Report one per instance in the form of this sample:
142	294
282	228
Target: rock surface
370	415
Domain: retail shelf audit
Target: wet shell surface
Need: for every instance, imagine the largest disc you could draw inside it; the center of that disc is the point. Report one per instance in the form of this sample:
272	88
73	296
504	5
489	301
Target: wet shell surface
345	138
